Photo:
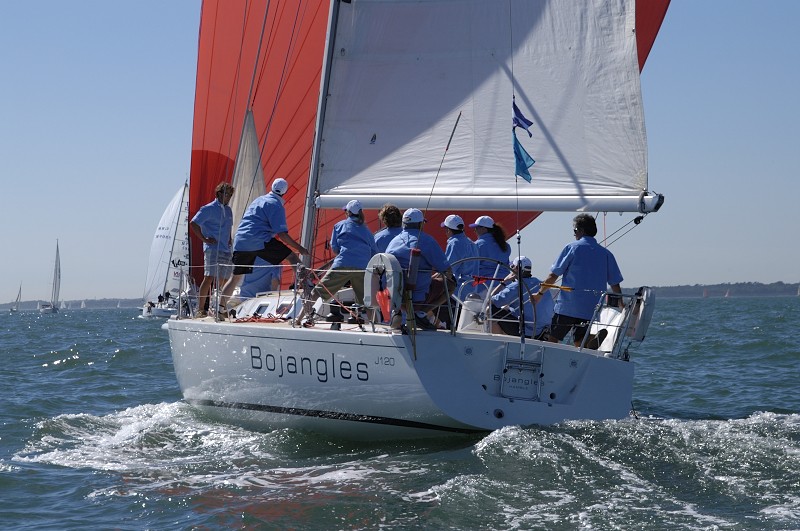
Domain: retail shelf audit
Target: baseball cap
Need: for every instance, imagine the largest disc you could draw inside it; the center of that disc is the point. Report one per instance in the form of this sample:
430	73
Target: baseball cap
353	207
523	261
413	215
280	186
483	221
453	221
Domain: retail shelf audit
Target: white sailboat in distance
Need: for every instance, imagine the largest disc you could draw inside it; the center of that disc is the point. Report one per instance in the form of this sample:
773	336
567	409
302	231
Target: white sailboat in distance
169	258
15	307
52	306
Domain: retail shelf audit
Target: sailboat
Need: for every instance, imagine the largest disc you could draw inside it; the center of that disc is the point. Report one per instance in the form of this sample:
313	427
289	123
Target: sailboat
15	307
399	84
52	306
169	258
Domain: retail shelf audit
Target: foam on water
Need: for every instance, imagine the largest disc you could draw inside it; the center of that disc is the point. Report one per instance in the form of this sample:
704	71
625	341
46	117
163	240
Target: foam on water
103	437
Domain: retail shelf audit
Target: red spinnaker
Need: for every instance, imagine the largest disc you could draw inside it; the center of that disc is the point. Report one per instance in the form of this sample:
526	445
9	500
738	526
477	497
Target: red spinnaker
268	55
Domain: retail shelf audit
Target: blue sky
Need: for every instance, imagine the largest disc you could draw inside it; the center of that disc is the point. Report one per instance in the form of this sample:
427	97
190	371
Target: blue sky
95	136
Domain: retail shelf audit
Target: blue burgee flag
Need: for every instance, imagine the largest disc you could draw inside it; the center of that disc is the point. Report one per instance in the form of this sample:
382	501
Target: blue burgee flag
522	159
520	120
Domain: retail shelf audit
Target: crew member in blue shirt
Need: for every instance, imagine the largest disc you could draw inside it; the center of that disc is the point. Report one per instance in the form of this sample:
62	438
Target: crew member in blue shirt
505	303
262	233
586	267
429	292
354	245
213	224
491	243
458	248
392	220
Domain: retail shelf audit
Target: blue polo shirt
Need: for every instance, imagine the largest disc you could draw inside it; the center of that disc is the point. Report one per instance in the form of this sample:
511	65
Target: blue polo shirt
383	237
263	219
215	221
354	244
587	267
488	248
458	248
432	258
544	308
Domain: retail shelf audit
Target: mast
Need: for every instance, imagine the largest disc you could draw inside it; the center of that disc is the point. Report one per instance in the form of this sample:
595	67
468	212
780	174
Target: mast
310	209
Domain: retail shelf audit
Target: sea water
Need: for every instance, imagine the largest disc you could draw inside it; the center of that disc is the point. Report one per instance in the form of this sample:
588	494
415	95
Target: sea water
93	434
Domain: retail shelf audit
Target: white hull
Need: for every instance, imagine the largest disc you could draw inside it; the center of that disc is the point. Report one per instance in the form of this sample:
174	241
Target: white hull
158	312
362	384
47	308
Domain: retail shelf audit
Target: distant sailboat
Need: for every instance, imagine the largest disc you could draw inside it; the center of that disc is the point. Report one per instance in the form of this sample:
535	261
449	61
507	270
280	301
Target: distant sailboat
52	306
727	294
169	258
83	305
15	306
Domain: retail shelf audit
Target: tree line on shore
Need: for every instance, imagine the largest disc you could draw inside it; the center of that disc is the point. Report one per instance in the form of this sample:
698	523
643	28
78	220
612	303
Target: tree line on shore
737	289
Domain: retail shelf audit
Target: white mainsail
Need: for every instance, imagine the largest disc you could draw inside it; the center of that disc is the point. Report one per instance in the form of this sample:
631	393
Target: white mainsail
403	72
52	306
248	176
169	253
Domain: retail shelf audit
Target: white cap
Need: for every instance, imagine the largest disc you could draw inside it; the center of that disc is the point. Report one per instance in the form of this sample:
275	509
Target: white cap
353	207
483	221
413	215
280	186
522	261
453	221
